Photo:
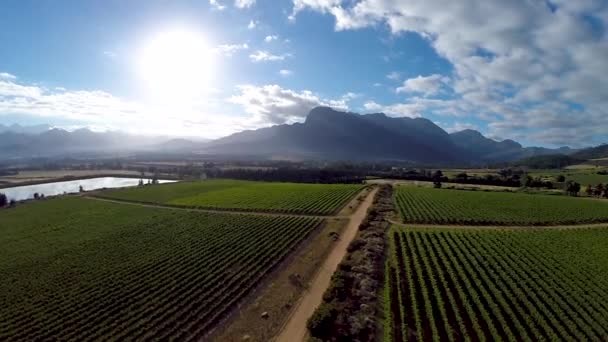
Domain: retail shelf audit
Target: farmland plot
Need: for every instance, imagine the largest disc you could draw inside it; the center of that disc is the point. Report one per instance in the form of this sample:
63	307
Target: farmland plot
444	206
495	285
78	269
323	199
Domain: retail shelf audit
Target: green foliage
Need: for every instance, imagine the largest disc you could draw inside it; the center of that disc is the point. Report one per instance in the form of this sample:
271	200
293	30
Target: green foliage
426	205
79	269
245	195
320	324
487	284
3	200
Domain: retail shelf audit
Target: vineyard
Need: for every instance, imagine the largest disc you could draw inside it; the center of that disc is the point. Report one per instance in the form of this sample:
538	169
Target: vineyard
443	206
78	269
323	199
495	285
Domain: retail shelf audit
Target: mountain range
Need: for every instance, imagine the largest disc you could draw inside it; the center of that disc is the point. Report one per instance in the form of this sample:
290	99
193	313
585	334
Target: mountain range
326	134
330	134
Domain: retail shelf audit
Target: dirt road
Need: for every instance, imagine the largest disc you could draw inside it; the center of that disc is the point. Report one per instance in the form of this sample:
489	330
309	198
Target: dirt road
295	328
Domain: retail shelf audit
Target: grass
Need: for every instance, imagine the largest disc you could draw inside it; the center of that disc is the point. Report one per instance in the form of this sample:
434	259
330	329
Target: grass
488	284
442	206
78	269
244	195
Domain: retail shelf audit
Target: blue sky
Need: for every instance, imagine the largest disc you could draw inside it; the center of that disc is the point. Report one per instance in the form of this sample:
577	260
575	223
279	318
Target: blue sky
530	71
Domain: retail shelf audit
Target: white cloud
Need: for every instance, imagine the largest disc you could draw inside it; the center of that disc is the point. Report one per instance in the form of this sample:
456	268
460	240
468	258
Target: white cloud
252	24
101	109
318	5
110	54
230	49
509	58
273	104
270	38
217	5
265	56
416	107
428	86
393	75
7	76
285	72
244	3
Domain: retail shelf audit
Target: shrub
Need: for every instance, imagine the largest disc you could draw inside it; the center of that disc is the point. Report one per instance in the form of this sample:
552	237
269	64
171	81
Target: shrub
321	322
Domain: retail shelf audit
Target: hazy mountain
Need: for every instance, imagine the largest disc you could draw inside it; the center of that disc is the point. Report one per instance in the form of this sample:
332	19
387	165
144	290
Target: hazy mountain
330	134
16	128
325	134
489	150
55	142
592	152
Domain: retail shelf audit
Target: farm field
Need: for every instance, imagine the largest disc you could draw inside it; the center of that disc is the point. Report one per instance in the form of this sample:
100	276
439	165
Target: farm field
323	199
444	206
80	269
496	284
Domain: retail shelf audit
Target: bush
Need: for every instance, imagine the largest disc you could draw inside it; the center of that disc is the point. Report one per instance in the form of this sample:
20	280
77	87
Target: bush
3	200
321	322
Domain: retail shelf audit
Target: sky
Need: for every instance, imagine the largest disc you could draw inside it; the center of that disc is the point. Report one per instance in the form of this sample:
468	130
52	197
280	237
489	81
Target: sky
529	70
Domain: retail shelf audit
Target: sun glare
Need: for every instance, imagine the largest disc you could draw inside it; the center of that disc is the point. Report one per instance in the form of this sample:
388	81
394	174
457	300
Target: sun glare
176	65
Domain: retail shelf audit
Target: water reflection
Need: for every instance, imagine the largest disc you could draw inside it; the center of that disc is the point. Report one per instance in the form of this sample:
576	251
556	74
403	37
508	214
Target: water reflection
52	189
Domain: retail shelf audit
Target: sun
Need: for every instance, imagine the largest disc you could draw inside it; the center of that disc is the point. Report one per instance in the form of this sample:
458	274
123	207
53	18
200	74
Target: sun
176	65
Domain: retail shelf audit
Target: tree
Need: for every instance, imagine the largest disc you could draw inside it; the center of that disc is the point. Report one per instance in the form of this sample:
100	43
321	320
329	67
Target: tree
437	179
36	195
561	178
3	200
599	189
589	190
462	175
572	188
80	189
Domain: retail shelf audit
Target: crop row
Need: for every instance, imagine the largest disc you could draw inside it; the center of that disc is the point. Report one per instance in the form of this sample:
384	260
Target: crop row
448	286
192	269
320	199
439	206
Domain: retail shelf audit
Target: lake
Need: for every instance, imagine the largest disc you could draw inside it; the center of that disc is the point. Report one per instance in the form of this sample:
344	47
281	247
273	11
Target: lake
19	193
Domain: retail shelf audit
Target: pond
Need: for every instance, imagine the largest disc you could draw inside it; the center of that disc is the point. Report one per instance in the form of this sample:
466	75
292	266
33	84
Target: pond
20	193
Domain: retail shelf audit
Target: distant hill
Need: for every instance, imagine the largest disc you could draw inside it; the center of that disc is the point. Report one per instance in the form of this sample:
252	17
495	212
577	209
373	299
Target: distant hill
16	128
331	134
552	161
488	150
593	152
326	134
58	142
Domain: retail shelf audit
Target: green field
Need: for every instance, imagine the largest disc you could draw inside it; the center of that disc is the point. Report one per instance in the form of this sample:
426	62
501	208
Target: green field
80	269
244	195
494	285
444	206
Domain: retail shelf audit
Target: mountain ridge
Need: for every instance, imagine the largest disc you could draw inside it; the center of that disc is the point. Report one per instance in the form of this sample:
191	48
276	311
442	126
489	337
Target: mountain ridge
331	134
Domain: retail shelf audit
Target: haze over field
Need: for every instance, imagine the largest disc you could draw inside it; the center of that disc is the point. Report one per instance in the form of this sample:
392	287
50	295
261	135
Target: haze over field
533	71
